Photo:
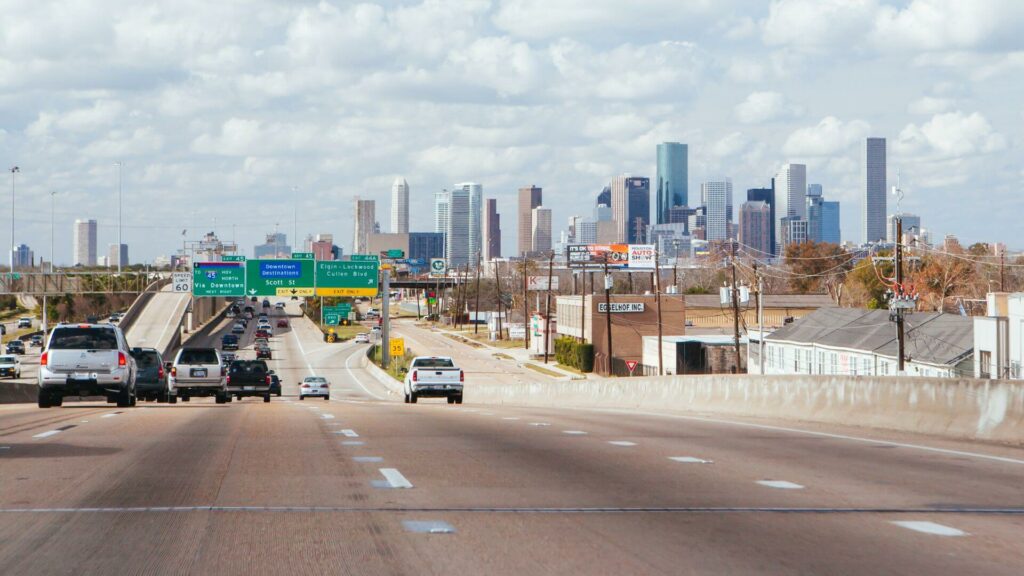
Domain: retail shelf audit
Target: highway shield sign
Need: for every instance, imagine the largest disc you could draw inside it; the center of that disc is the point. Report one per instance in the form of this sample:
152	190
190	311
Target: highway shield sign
340	278
225	279
279	278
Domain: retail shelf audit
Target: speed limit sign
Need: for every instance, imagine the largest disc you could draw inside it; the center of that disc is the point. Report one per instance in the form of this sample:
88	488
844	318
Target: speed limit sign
182	282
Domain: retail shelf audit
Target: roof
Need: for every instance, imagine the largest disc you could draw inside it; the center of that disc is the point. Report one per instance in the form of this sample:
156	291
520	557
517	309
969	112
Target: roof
770	301
931	337
707	339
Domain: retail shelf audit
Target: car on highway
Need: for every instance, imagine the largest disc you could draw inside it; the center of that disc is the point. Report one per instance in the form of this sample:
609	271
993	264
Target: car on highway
434	377
249	378
238	328
198	372
228	357
15	347
86	360
266	303
282	322
229	342
231	313
24	322
10	366
263	352
314	386
363	338
114	318
150	377
275	383
35	341
279	306
262	333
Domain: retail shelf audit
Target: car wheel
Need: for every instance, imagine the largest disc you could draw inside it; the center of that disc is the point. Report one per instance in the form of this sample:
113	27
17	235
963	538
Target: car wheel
221	399
301	397
124	399
327	397
266	397
172	399
186	398
405	399
451	399
44	399
160	398
133	400
412	398
278	394
458	399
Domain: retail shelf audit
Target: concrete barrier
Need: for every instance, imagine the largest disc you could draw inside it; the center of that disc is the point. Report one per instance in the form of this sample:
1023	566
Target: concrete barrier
394	387
962	408
14	392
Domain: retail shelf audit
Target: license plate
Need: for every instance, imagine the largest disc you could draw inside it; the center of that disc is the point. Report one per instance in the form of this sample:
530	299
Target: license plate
80	376
198	373
249	388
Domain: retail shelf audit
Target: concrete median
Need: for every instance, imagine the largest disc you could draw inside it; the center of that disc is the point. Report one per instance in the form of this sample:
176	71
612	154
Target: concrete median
963	408
15	392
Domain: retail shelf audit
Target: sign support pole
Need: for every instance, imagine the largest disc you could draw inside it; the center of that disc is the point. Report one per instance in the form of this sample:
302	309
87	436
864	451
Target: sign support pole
547	313
385	330
608	311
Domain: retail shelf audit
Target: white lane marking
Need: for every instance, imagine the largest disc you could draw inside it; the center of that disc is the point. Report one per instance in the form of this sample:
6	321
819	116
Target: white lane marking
780	484
539	424
395	478
690	460
428	527
327	416
108	415
930	528
84	421
367	459
352	443
574	432
47	434
356	379
621	443
815	433
510	418
5	447
295	334
349	432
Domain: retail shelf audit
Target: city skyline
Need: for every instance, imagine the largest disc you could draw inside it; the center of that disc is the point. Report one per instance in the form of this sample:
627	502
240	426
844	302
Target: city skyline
746	88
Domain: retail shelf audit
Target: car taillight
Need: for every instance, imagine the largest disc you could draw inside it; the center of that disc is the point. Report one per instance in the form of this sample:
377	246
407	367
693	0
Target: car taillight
122	360
160	372
462	376
43	358
268	380
414	375
227	380
174	372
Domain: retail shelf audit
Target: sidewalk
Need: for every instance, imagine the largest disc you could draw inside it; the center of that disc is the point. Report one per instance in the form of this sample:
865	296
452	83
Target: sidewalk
520	355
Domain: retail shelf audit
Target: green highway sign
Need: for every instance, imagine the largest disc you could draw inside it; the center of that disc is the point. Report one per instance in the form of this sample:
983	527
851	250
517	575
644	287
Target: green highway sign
339	278
224	279
394	253
230	258
279	278
332	318
364	258
334	314
302	255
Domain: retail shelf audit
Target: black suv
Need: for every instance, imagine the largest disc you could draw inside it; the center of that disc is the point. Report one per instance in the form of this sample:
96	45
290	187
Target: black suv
249	378
229	342
275	384
15	347
150	379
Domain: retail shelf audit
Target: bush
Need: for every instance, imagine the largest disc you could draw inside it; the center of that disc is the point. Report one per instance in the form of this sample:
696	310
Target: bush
578	355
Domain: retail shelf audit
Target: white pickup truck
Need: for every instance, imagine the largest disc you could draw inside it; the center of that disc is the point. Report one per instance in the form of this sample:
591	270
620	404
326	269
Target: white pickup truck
434	377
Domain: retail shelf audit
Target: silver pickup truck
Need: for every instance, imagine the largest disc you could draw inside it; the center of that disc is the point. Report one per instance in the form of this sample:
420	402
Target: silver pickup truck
434	377
86	360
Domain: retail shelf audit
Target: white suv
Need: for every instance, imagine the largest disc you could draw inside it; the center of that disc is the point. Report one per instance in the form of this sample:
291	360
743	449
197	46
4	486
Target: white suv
198	372
86	360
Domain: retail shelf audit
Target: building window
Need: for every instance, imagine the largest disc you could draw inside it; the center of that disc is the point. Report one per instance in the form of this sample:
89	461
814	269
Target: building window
867	367
810	363
821	362
853	366
985	364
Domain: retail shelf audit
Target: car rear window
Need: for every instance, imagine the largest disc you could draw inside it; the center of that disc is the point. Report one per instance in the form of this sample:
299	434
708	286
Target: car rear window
83	339
250	367
198	356
147	359
6	359
433	363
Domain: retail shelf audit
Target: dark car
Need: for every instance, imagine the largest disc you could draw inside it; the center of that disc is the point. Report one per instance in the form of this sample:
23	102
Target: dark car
36	340
151	378
262	333
266	303
249	378
282	323
229	342
254	299
263	352
275	384
15	347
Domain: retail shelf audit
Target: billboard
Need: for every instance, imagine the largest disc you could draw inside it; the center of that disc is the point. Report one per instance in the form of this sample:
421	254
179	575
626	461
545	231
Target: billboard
641	256
593	255
541	283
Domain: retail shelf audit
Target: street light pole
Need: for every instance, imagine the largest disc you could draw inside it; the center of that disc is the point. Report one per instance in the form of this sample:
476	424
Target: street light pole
14	170
120	253
53	194
295	217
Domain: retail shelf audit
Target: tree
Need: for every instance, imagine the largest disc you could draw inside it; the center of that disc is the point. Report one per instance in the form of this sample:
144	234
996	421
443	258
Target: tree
863	286
941	276
818	267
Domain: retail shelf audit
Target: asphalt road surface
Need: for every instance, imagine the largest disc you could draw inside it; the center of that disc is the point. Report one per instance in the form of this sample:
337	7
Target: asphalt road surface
159	320
364	484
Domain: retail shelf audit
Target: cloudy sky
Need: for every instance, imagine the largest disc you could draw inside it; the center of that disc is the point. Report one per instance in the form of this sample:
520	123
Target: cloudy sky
217	109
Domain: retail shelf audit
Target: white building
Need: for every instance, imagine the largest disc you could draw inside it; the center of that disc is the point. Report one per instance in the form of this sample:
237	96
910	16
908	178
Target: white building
475	193
998	352
458	246
400	207
114	258
441	200
911	228
716	196
540	236
85	243
859	342
365	221
790	196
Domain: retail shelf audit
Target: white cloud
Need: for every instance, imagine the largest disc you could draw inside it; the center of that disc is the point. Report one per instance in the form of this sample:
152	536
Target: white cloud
950	135
762	107
830	136
951	25
730	145
928	105
813	24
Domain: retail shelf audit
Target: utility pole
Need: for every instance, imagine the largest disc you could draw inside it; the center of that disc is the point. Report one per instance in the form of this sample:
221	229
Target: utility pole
476	320
900	337
583	308
497	288
657	300
526	308
547	312
760	318
735	308
14	172
608	310
1002	270
119	240
385	329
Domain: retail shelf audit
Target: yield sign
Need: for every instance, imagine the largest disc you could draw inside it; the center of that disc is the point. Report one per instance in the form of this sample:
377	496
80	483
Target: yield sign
631	364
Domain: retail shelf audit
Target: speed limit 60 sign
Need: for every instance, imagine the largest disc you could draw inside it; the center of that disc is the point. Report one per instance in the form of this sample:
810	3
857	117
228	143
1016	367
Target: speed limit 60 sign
182	281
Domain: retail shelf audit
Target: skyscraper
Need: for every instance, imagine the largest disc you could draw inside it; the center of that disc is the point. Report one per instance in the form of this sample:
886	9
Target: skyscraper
85	243
492	230
23	257
716	196
756	227
911	226
529	198
400	206
365	219
766	195
790	200
540	230
631	207
457	245
605	197
441	211
672	187
476	209
814	206
115	256
873	207
830	230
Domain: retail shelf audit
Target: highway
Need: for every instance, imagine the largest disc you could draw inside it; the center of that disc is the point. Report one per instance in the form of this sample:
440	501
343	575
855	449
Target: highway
364	484
159	320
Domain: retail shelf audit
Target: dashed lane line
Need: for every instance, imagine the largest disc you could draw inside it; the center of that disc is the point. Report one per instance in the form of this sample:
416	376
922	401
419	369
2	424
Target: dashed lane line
394	478
930	528
781	484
